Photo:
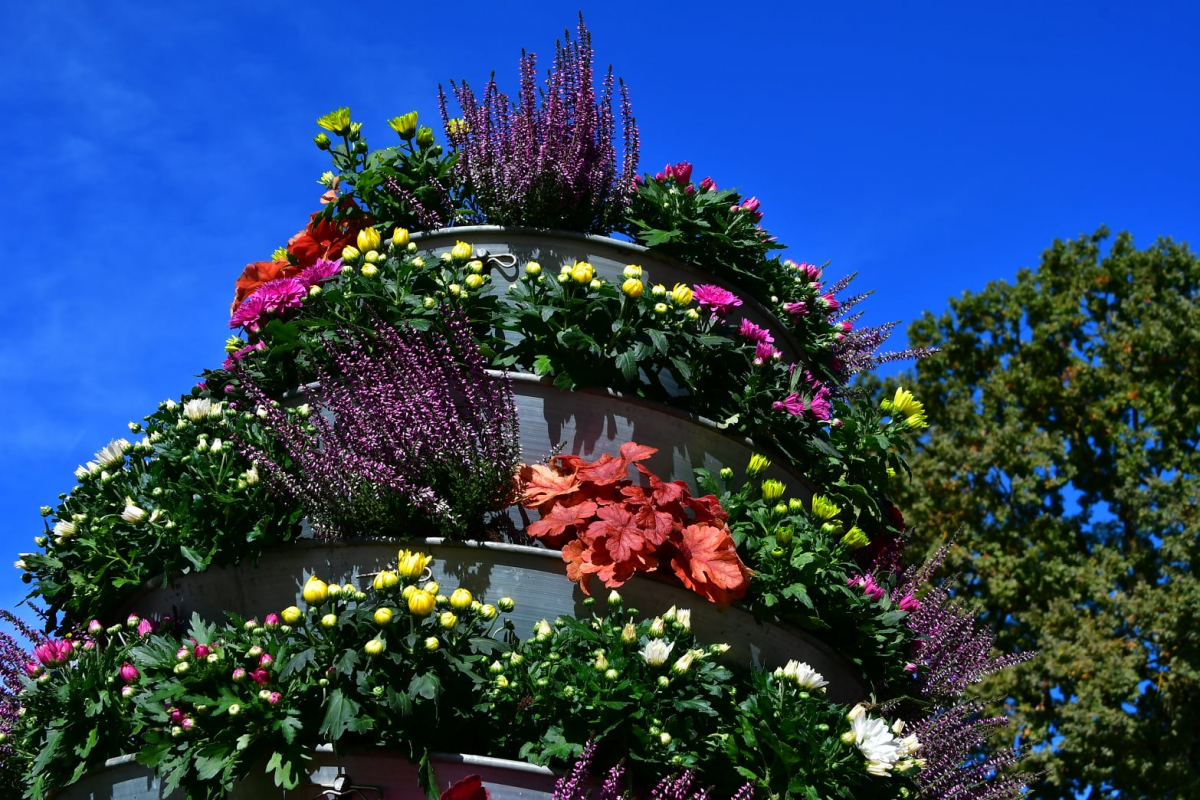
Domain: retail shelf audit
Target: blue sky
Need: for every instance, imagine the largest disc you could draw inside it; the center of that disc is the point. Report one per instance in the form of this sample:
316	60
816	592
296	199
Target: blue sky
931	147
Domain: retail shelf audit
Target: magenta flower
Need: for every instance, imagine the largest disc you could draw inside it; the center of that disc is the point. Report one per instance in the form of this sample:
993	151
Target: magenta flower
909	603
238	355
751	206
273	297
239	675
319	272
764	352
797	310
201	651
145	627
33	669
751	332
261	677
266	660
715	299
829	301
128	672
274	697
53	653
183	654
683	172
95	627
820	406
806	270
708	184
187	723
870	588
176	715
792	404
247	313
271	622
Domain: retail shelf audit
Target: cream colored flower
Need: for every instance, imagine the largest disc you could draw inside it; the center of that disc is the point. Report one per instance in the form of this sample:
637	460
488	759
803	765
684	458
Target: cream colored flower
132	514
112	453
197	409
656	652
64	529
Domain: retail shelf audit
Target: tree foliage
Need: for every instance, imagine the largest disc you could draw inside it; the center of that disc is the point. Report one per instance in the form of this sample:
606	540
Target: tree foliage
1065	414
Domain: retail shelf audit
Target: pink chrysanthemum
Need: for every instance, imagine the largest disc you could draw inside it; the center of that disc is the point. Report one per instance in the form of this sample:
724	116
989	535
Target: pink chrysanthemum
751	332
764	352
247	313
274	296
715	299
792	404
797	310
319	272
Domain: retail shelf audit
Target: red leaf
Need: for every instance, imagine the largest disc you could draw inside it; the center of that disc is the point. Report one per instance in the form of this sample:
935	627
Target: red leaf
604	470
707	508
469	788
562	523
544	485
633	452
618	531
708	563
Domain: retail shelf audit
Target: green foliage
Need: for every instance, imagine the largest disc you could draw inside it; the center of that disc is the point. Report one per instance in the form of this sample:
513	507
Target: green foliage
178	499
1065	412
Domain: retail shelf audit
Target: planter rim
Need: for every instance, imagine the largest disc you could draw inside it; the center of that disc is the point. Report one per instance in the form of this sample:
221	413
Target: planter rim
633	249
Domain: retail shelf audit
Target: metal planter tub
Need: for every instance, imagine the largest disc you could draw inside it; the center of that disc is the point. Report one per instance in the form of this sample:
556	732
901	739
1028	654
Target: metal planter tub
364	774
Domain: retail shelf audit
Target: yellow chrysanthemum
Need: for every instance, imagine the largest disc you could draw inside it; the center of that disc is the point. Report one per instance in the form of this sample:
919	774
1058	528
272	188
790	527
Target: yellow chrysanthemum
336	121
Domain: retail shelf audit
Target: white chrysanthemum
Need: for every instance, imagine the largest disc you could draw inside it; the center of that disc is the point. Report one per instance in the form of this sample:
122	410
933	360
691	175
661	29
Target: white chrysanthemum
251	476
132	514
81	472
877	744
684	617
198	409
112	453
64	529
656	652
804	676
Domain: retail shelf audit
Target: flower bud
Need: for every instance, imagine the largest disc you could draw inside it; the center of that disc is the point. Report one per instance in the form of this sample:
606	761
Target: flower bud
405	125
661	308
772	490
448	619
633	287
383	616
368	239
757	466
681	295
601	662
614	599
629	633
726	474
350	254
182	667
374	647
432	644
658	628
506	604
855	538
611	674
659	290
461	251
329	620
684	664
533	269
473	281
461	599
201	651
369	270
271	622
582	272
292	615
421	603
488	612
424	136
632	271
321	140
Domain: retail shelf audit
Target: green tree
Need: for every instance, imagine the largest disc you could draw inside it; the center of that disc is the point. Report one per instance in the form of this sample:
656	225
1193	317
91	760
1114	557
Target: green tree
1065	414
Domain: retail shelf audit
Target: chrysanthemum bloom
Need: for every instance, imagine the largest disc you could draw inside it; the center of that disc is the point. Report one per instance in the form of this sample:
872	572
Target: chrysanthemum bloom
112	454
53	653
764	352
753	333
804	676
319	272
656	652
716	300
132	513
877	744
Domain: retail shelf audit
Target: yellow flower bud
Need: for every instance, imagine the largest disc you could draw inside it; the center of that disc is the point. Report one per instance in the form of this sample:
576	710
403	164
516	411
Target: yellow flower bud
383	616
461	251
582	272
632	271
368	239
823	508
488	612
291	615
772	490
316	591
633	287
424	136
659	290
405	125
661	308
385	579
421	603
506	604
400	238
408	592
447	619
350	254
681	295
329	620
461	599
473	281
370	270
533	269
432	644
411	566
758	465
374	647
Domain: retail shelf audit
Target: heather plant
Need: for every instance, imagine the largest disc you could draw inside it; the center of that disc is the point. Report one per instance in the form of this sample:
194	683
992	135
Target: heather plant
16	660
551	164
407	430
575	785
178	498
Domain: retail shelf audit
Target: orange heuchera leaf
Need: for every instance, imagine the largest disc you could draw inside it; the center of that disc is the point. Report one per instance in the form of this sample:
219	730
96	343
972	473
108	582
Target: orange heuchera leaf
633	452
618	531
664	493
543	485
708	564
563	523
707	508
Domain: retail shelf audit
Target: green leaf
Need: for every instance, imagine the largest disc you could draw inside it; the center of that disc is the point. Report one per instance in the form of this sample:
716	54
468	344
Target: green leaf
427	686
659	340
339	711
